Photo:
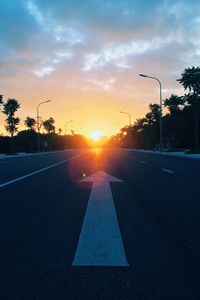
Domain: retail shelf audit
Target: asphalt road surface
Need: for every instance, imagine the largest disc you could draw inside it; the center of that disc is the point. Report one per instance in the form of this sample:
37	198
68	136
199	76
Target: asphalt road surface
135	235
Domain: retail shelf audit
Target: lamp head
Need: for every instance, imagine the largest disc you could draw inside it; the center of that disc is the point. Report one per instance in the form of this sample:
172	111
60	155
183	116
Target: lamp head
142	75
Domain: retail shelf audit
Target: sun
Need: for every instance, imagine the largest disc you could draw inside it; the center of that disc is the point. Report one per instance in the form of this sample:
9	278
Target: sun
96	135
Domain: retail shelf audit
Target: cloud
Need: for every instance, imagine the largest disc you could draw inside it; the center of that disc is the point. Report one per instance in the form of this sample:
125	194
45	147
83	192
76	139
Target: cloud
44	71
60	32
35	12
105	85
118	54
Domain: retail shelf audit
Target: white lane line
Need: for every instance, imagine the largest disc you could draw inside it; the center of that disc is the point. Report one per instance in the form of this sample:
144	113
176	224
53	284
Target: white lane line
38	171
100	242
143	162
168	171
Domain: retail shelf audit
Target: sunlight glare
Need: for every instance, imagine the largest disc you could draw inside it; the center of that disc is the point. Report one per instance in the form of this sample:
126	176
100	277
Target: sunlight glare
96	135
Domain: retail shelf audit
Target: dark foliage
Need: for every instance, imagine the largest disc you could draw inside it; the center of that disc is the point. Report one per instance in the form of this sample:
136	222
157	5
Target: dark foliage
180	124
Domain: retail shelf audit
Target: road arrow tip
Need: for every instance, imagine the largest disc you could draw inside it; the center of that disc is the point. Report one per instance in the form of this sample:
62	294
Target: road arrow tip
102	177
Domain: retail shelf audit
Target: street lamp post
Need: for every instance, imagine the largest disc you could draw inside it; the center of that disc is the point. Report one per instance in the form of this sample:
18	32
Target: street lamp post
38	125
129	116
161	125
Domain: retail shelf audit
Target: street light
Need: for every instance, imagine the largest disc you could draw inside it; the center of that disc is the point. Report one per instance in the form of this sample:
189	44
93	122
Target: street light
66	125
38	125
161	126
129	116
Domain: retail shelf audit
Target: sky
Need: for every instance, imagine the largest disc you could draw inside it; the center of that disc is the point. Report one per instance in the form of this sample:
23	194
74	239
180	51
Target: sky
86	56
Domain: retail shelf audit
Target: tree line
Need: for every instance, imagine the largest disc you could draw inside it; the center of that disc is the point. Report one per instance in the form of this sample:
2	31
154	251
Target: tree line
27	140
180	123
10	108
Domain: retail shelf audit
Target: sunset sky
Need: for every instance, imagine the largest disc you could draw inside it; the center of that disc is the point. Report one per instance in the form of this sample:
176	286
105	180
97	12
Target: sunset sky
86	56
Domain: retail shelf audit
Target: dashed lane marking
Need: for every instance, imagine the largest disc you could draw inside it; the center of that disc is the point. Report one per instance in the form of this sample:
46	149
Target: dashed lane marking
168	171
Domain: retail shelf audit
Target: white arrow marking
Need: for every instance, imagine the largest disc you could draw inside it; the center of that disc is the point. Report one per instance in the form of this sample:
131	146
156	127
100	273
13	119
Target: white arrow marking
100	242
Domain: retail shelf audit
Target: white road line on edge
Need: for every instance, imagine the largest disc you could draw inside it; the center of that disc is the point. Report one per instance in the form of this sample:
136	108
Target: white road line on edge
168	171
38	171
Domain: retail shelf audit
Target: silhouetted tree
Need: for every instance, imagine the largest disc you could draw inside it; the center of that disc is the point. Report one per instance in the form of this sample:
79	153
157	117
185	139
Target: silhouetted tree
139	131
174	103
59	130
30	123
190	79
1	100
123	136
152	129
154	114
49	125
29	135
173	121
140	124
9	109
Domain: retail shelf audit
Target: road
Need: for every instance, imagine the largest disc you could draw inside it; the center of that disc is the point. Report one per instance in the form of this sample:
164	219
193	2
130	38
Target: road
47	226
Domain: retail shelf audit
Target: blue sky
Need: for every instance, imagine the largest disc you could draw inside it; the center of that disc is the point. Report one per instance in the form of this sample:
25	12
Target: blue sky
86	56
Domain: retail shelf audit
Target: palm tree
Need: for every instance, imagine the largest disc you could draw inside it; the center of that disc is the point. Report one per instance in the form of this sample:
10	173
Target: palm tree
30	123
153	115
49	125
174	103
138	131
140	124
191	80
174	121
